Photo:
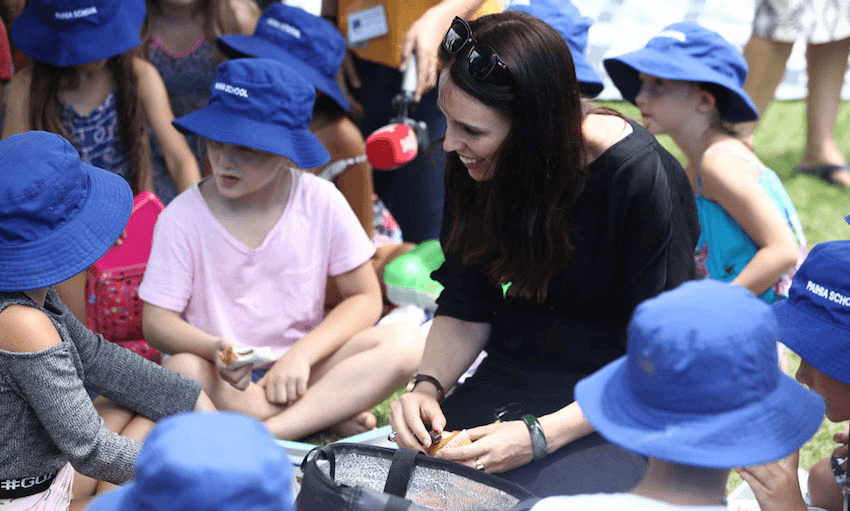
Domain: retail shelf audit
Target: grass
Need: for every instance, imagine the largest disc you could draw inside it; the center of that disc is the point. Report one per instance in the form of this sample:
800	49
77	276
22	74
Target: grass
779	143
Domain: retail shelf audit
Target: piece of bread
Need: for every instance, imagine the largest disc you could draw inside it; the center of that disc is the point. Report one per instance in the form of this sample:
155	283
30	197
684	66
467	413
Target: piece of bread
229	355
237	357
450	439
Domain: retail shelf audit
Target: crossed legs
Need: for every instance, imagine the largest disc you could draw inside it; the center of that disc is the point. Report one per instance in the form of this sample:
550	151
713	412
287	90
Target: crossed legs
365	370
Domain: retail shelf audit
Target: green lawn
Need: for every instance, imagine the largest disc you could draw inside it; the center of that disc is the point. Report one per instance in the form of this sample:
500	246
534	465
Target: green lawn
779	143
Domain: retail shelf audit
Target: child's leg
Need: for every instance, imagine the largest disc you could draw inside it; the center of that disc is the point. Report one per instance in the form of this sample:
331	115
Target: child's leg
251	401
367	369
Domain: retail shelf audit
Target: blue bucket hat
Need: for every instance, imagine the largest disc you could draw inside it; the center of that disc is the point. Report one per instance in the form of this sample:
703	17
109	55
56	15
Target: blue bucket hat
262	104
206	462
564	17
58	215
815	319
688	52
700	383
75	32
307	43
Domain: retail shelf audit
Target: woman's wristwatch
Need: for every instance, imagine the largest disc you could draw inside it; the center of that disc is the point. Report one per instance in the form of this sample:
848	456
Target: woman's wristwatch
418	378
538	439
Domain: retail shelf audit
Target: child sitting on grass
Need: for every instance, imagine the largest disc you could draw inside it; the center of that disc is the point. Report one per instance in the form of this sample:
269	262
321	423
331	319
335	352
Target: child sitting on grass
58	215
243	258
687	82
814	323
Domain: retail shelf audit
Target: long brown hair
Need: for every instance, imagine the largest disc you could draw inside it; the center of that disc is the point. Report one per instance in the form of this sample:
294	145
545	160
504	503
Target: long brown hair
45	109
518	224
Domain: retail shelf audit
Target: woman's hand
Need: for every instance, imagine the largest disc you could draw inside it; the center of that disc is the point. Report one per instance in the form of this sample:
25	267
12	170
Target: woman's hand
239	377
498	447
410	414
776	485
287	379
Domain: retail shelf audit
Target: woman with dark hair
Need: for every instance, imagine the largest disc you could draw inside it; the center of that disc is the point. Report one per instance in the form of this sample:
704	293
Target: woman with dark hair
560	218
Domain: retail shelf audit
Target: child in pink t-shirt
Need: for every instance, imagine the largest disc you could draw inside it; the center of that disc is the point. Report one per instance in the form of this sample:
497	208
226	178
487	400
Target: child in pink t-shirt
242	260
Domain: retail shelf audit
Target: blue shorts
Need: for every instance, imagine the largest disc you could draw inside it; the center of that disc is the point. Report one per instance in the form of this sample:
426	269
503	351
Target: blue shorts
256	374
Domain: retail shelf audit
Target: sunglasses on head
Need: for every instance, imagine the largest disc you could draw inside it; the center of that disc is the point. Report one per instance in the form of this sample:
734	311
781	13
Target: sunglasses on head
481	60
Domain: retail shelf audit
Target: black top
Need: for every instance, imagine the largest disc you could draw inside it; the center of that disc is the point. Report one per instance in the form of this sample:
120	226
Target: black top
635	229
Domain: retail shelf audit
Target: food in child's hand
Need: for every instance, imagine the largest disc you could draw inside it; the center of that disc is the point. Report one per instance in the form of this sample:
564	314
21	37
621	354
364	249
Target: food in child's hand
450	439
229	355
233	357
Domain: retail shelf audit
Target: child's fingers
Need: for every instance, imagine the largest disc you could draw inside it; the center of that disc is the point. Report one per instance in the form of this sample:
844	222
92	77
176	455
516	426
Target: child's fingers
291	390
301	388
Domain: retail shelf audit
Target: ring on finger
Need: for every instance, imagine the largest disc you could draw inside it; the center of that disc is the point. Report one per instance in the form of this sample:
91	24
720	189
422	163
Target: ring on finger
392	437
478	464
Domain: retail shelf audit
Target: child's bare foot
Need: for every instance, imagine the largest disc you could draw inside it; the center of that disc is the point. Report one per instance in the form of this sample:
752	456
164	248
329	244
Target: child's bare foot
360	423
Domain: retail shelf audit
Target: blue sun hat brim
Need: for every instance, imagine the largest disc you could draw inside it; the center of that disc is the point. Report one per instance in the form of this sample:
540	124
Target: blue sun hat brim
814	321
212	461
307	43
262	104
71	33
564	17
687	52
58	215
700	384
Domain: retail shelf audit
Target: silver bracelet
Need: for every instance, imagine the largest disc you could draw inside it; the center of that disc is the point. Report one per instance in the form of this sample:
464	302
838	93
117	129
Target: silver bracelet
538	439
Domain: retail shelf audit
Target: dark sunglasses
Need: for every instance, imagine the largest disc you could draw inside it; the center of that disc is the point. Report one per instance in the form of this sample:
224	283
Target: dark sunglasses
481	59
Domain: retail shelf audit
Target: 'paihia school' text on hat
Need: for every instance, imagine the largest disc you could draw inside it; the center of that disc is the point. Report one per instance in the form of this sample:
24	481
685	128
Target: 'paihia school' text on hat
692	53
262	104
309	44
74	32
58	215
564	17
815	319
700	384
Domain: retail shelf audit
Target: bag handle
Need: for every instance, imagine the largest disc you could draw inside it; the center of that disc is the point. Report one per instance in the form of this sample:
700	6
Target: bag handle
400	470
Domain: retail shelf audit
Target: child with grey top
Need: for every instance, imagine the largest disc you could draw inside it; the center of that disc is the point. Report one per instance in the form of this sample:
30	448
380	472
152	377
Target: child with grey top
57	216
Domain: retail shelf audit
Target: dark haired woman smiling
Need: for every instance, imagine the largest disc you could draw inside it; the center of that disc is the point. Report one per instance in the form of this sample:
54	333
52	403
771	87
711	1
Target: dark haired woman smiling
560	218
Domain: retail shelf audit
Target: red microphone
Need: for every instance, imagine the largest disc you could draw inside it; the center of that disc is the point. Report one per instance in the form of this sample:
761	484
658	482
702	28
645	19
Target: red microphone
392	146
399	142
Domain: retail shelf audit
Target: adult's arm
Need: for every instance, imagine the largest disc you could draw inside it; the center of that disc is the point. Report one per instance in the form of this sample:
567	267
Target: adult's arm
425	35
452	345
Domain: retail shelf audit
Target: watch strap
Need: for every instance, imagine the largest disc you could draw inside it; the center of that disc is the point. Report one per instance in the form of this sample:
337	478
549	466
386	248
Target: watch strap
538	439
418	378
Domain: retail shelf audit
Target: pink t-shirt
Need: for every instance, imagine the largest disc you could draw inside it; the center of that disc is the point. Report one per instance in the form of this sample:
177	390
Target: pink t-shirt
269	296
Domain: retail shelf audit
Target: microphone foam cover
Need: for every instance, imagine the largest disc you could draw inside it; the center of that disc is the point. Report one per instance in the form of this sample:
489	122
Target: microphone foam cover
392	146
